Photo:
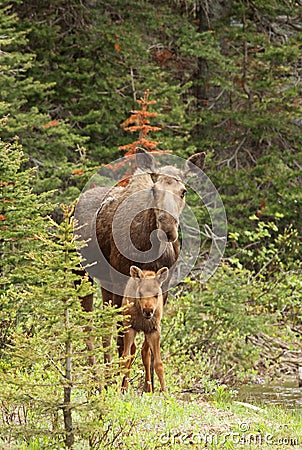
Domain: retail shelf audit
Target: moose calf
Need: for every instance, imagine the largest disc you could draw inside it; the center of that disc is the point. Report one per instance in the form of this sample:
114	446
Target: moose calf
144	309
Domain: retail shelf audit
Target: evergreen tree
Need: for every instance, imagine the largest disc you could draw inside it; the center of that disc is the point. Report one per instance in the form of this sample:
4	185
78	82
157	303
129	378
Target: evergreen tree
225	77
50	144
46	381
250	111
101	62
21	220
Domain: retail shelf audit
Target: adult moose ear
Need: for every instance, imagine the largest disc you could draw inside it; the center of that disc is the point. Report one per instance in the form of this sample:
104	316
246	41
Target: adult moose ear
193	165
162	274
144	160
136	272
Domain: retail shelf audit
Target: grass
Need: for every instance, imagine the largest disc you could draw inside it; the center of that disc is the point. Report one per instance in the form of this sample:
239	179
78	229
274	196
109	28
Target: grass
179	422
214	420
195	413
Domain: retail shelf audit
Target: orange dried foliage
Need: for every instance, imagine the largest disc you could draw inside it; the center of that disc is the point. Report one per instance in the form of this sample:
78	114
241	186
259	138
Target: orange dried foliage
138	116
52	123
7	183
139	122
144	101
117	45
162	56
124	181
145	128
77	172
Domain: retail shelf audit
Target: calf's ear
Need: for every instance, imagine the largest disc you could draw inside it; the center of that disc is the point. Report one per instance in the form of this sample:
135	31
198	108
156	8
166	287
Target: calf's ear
136	272
162	274
193	165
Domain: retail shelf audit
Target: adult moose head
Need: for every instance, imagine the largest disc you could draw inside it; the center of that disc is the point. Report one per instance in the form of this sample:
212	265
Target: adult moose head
135	225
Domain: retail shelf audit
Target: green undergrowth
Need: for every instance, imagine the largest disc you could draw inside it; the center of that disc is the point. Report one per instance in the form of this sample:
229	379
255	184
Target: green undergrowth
213	420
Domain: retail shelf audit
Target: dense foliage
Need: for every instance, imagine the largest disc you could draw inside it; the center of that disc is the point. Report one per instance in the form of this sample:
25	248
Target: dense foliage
227	80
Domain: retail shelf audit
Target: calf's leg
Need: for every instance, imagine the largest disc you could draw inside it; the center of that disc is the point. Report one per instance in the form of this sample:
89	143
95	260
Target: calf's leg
128	353
154	344
146	357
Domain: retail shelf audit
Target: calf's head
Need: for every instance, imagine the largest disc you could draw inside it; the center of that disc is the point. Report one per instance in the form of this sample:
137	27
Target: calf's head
148	291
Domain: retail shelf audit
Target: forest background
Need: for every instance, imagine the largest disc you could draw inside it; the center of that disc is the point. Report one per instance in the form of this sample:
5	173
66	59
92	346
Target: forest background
226	76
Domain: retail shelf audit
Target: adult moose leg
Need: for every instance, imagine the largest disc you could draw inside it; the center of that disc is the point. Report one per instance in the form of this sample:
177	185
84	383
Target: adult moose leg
107	339
117	301
113	299
87	305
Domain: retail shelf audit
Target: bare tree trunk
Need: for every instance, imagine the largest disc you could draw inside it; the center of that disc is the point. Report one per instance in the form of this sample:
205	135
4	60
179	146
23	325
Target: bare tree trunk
67	412
207	13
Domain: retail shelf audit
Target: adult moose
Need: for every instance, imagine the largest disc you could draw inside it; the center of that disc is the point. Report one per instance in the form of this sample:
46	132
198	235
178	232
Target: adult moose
135	225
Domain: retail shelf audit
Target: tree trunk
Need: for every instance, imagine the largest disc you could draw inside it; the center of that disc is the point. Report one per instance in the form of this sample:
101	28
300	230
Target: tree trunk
69	434
67	412
207	13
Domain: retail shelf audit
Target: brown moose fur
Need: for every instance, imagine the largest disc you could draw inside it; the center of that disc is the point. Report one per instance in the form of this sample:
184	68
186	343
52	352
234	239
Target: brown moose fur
143	302
162	191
